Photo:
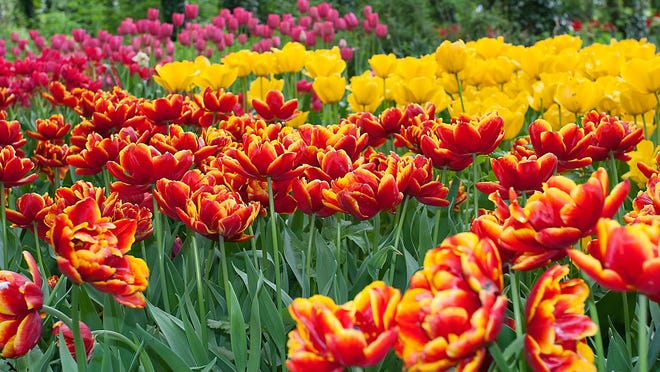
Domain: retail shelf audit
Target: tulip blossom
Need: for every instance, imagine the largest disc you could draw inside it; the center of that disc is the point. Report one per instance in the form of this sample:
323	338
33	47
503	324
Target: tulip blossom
14	169
454	307
10	133
53	128
472	135
623	258
330	89
452	56
85	333
309	196
570	144
329	337
556	325
553	220
366	93
274	109
611	135
20	321
141	164
163	111
432	147
420	183
643	74
91	248
176	76
521	174
31	208
383	65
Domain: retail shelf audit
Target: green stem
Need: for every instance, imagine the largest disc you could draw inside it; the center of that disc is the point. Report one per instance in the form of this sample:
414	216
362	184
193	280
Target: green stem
144	358
253	246
517	310
57	314
642	342
161	256
308	257
460	91
656	119
81	355
200	287
397	237
3	221
593	313
51	297
225	272
475	178
498	357
626	320
276	248
37	248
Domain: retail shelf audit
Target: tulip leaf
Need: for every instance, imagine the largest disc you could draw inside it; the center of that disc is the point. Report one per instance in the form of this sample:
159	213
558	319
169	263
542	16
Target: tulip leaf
192	326
617	354
66	359
293	249
376	261
254	359
164	352
273	322
172	329
237	332
326	266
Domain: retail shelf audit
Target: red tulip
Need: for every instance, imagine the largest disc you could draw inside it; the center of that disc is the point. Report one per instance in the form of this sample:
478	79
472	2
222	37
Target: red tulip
611	135
521	174
14	169
472	135
20	321
556	324
570	144
53	128
163	111
10	133
140	164
85	332
274	109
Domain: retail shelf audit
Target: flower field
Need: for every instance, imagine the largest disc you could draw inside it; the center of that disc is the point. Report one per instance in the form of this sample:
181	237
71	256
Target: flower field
282	196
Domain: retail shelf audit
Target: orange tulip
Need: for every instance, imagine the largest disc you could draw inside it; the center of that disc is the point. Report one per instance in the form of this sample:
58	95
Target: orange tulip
14	169
420	183
556	324
472	135
553	220
10	133
521	174
91	248
273	108
163	111
435	149
261	158
454	307
309	196
623	258
611	135
570	144
141	164
53	128
20	321
31	208
329	337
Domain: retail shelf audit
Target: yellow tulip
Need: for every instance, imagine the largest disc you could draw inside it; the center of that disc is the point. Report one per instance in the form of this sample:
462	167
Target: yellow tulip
643	74
216	76
451	56
565	61
291	58
261	85
488	47
598	60
176	76
383	65
513	120
533	60
366	93
634	102
645	153
578	95
497	71
298	120
560	43
264	64
551	115
324	62
421	90
329	89
411	67
241	60
631	48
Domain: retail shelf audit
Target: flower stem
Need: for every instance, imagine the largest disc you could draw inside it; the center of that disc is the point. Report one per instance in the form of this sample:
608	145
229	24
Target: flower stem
308	257
593	312
517	316
626	320
460	91
200	288
276	248
3	221
225	272
161	255
81	355
37	248
57	314
498	357
475	178
144	358
642	345
399	225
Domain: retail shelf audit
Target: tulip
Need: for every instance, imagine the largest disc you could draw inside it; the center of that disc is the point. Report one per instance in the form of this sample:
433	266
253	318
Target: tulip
20	320
623	258
433	148
611	135
53	128
216	76
552	221
329	337
7	98
291	58
176	76
472	135
556	325
330	89
10	133
570	144
274	109
452	56
643	74
521	174
421	184
261	86
14	169
383	65
91	248
323	63
163	111
141	164
366	93
86	334
31	208
578	96
453	308
50	159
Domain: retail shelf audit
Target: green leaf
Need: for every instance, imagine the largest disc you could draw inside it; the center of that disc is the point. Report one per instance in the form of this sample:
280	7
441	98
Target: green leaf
173	330
164	352
293	249
237	332
617	355
66	359
326	265
272	320
254	360
375	262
